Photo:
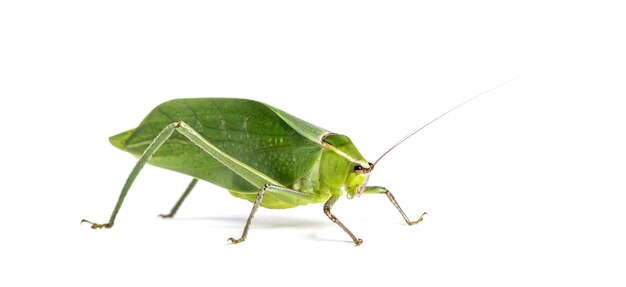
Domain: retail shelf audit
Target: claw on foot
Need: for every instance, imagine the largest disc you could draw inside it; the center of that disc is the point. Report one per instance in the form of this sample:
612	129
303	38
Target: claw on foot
418	220
96	225
169	215
358	242
235	241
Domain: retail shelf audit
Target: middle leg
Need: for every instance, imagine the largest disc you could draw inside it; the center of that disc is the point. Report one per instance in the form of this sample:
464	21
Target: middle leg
274	190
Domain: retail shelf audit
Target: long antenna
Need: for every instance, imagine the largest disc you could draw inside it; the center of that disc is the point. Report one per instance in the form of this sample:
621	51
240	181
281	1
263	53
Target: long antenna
406	137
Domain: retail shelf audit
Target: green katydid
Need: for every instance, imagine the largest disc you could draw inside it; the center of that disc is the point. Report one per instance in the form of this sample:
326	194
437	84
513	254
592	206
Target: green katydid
255	151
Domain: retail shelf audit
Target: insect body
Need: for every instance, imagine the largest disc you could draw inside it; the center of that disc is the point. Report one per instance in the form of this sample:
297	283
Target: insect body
255	151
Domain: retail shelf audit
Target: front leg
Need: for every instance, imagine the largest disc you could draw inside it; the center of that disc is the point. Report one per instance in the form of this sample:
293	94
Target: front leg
327	206
380	189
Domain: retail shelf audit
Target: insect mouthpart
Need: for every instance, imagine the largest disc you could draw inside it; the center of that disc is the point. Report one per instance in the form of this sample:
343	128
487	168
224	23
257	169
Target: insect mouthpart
362	187
361	170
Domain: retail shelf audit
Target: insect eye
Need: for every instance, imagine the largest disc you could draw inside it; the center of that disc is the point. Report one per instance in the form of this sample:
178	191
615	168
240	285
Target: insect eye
358	168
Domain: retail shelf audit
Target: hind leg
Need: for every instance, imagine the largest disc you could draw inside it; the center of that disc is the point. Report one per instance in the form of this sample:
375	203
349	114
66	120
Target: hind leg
182	198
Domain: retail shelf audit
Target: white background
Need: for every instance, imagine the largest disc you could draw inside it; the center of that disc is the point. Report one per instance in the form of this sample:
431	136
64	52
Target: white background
524	186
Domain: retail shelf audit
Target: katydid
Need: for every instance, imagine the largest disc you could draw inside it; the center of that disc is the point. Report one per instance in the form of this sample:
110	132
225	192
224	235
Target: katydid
256	151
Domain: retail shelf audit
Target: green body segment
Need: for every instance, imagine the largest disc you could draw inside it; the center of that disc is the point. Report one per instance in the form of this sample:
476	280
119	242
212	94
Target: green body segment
292	152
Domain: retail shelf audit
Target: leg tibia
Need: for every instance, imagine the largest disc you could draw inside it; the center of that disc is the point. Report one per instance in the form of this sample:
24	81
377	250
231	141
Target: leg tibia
147	154
327	206
274	190
380	189
182	198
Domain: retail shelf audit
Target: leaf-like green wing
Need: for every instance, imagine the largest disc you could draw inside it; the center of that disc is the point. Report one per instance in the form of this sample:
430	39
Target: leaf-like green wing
273	142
